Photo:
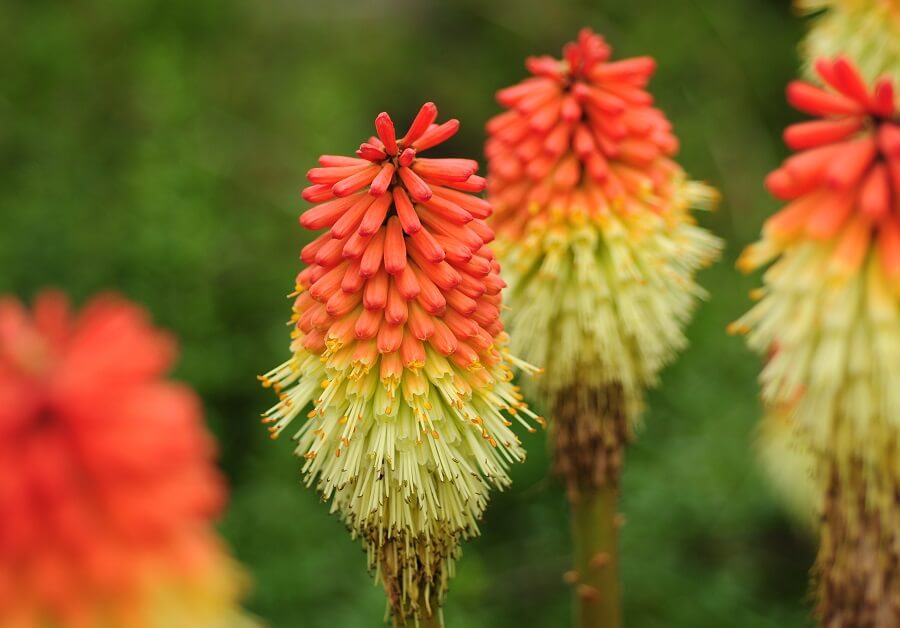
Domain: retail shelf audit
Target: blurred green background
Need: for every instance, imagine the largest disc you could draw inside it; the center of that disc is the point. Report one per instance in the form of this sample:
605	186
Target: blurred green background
158	148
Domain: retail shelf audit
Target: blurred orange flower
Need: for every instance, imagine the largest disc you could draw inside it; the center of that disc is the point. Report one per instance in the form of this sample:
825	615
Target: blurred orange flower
107	482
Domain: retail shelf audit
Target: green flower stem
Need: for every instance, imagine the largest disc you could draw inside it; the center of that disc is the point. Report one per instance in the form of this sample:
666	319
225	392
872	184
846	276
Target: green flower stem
594	531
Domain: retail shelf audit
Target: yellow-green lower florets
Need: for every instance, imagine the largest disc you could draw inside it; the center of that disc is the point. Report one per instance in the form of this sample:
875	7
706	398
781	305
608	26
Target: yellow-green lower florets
837	351
407	461
601	297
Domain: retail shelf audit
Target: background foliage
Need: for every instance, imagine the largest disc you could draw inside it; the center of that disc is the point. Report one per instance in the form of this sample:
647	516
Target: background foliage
158	148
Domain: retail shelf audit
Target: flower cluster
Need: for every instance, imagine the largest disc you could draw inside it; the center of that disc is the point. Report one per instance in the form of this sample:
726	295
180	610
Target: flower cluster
592	222
399	348
107	485
830	304
866	31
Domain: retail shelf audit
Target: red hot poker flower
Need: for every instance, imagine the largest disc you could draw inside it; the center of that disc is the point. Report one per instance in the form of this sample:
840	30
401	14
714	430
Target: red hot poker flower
593	221
107	485
843	184
399	347
830	302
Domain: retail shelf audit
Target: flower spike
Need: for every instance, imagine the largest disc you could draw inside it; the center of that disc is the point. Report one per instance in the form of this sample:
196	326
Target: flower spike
593	225
399	350
831	304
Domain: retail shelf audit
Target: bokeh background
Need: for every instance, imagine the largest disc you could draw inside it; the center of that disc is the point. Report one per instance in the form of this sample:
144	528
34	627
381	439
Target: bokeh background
158	148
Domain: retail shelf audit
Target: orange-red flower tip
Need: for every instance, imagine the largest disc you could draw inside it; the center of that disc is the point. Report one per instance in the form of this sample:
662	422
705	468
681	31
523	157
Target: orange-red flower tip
581	134
843	183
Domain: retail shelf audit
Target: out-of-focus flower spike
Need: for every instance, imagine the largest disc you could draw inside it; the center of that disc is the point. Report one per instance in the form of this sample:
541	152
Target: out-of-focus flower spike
831	306
109	496
594	231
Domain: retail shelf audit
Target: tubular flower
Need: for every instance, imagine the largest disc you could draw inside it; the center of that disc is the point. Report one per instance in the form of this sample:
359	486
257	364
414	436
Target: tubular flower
108	484
399	347
831	303
593	226
867	31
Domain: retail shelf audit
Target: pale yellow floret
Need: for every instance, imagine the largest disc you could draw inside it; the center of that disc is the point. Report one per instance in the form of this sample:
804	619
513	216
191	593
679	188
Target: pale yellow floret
604	299
835	357
867	31
406	460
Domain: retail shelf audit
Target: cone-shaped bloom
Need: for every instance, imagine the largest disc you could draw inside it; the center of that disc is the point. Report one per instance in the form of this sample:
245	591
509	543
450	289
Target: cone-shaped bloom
399	347
593	226
107	484
866	31
831	303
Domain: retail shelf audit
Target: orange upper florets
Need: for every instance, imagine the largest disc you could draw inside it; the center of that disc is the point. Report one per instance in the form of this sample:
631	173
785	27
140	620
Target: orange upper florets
403	263
580	134
844	181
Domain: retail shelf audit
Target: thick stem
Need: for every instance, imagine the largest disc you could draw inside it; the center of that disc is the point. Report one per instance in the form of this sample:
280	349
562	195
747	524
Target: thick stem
588	435
858	566
594	531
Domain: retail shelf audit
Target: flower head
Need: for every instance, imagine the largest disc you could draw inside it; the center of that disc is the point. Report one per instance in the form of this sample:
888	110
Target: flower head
592	221
399	348
866	31
830	303
107	485
842	185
